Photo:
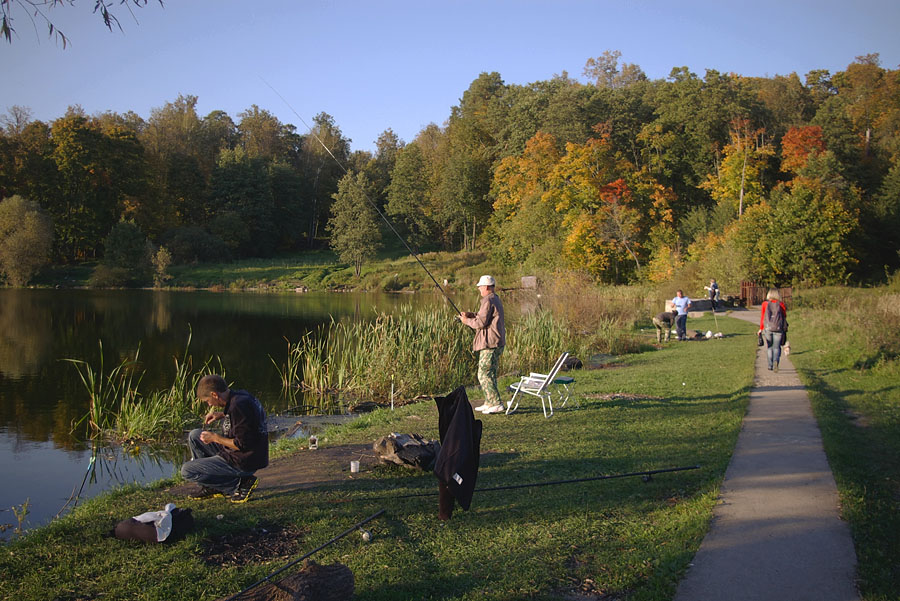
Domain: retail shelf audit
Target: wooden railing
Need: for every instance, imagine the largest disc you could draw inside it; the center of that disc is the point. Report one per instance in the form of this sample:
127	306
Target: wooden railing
754	294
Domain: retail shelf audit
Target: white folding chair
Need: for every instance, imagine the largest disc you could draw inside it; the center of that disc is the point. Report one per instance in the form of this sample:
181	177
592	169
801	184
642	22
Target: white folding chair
537	385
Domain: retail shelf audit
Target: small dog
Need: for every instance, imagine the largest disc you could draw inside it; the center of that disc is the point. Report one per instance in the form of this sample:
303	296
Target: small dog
786	349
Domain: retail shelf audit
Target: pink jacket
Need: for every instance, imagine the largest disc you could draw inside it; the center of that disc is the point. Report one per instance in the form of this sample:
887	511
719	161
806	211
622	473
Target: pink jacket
490	329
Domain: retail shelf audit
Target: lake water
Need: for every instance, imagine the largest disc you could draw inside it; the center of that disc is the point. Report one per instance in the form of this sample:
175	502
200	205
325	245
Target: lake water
44	462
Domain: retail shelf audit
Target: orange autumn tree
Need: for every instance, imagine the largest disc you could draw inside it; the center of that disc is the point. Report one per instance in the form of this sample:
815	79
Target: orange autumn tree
524	224
609	208
798	144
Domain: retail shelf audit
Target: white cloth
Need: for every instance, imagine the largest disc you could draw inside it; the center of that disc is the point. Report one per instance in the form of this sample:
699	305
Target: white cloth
161	519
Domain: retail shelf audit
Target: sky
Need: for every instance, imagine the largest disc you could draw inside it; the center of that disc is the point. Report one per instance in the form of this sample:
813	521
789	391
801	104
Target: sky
401	64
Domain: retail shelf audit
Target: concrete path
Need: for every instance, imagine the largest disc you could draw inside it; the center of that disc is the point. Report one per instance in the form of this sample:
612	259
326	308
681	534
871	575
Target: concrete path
776	532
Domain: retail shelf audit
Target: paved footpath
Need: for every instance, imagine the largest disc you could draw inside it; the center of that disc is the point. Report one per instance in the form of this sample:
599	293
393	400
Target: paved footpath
776	532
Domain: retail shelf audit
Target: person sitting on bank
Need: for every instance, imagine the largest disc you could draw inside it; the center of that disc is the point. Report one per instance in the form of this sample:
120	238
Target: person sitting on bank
490	338
224	464
664	322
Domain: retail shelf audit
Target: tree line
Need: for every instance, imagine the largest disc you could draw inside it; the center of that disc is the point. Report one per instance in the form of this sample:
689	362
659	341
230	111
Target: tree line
625	178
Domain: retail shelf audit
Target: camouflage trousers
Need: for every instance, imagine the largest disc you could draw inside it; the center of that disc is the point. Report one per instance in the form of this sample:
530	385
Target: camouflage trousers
662	328
488	362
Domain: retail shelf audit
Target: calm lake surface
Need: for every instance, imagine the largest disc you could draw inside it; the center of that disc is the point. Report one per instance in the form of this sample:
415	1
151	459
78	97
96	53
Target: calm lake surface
44	462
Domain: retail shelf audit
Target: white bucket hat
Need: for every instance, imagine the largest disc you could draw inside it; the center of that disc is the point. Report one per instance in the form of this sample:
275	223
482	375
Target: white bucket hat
486	280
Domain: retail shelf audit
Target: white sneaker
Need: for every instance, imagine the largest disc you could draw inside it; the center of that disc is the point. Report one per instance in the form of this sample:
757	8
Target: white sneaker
494	409
482	407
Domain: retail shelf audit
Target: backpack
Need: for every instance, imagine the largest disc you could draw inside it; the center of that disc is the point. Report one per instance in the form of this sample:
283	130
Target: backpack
775	321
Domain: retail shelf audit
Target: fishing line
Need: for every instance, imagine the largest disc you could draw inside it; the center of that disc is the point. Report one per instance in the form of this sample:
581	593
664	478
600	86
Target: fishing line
647	475
356	526
374	206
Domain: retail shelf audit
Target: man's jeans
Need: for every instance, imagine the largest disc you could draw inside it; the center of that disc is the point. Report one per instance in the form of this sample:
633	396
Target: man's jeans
209	469
681	326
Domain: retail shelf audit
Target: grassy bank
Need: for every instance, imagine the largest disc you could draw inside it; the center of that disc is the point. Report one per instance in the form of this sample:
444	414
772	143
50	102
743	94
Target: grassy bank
846	346
625	538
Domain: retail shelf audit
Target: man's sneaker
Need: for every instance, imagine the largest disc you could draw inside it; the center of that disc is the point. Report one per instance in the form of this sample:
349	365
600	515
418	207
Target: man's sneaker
482	407
241	494
494	409
205	492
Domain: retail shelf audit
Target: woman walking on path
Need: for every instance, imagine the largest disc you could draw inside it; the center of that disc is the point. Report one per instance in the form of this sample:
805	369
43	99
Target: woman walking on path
773	326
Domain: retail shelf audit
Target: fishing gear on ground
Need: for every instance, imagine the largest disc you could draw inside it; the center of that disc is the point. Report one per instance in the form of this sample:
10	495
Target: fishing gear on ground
318	582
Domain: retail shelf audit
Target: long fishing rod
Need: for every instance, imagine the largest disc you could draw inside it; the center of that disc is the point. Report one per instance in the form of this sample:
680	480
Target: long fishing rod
355	526
374	206
647	475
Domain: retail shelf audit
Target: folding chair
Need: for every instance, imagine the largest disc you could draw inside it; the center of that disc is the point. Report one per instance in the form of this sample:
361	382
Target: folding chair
538	385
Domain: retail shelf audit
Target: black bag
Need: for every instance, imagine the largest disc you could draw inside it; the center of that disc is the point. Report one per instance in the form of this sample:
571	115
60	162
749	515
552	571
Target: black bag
759	339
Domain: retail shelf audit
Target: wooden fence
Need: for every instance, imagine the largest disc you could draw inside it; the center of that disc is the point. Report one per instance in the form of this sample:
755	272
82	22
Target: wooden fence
754	294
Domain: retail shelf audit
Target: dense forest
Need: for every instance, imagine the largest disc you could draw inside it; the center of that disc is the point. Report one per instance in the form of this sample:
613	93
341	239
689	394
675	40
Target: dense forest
778	179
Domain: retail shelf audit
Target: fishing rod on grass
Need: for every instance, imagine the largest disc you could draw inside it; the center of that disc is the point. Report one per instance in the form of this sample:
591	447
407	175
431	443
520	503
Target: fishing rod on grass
646	476
268	577
374	206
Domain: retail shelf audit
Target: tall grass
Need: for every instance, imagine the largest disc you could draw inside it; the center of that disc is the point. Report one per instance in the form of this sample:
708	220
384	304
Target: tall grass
106	391
118	409
846	347
417	351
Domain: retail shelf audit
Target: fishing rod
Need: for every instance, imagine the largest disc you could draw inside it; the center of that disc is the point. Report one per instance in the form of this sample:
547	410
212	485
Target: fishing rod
374	206
646	476
355	526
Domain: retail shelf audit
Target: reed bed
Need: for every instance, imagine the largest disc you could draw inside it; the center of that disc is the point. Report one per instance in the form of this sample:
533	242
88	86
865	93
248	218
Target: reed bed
119	410
412	353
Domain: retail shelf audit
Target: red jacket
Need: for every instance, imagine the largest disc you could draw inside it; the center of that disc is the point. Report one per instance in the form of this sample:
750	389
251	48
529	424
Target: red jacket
762	316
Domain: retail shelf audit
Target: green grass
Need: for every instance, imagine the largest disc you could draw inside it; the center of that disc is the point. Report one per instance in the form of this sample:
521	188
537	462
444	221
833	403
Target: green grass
625	538
845	345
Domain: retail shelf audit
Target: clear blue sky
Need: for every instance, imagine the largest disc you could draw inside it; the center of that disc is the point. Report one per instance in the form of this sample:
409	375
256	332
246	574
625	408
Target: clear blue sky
374	64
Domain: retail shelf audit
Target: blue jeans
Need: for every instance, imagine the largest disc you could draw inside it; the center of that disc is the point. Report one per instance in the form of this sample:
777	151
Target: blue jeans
773	347
209	469
681	326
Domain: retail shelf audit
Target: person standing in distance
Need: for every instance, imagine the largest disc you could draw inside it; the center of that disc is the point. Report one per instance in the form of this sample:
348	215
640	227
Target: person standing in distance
713	293
490	338
681	303
224	464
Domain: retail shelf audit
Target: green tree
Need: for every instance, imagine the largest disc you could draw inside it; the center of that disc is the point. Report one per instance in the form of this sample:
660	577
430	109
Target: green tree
738	182
605	71
26	237
262	135
125	246
325	150
97	171
355	235
808	239
243	203
408	197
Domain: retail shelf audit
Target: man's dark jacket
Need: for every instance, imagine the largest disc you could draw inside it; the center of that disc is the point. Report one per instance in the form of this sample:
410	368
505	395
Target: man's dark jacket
245	422
457	463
